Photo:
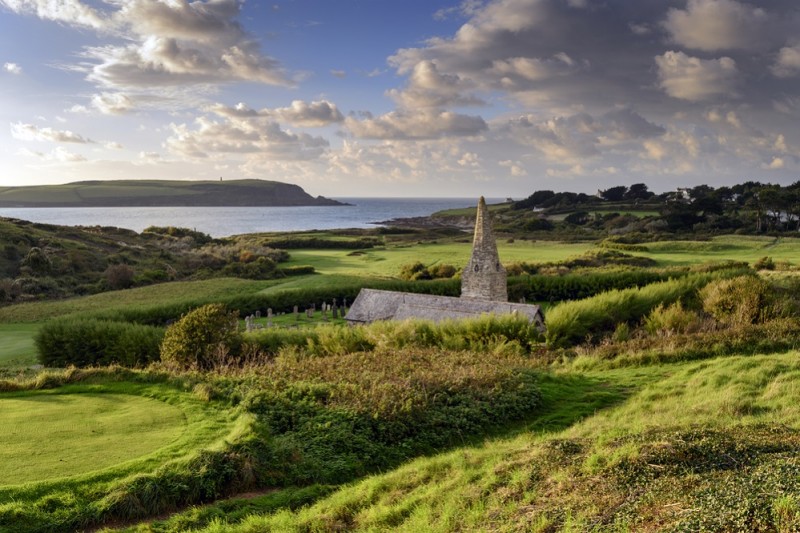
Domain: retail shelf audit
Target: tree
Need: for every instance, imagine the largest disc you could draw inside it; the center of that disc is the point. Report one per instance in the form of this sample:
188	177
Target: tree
199	336
614	194
638	191
534	200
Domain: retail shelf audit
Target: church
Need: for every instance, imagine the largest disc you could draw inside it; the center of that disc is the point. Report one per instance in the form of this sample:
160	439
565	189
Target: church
484	290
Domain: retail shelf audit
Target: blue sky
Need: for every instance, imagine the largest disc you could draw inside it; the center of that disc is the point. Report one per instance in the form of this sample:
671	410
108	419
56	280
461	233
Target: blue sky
414	98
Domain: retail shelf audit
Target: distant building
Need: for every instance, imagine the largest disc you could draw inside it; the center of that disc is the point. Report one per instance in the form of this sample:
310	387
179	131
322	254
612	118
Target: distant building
483	290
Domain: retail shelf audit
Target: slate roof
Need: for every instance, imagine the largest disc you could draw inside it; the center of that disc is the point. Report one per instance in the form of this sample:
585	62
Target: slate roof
374	304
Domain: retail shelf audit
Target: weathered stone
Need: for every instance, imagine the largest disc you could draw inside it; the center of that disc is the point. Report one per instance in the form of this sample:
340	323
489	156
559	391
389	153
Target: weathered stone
484	277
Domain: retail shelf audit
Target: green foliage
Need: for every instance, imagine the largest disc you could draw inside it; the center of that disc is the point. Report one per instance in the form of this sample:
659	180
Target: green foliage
297	270
764	263
418	271
573	322
381	408
671	319
293	243
83	342
504	334
200	337
171	231
738	301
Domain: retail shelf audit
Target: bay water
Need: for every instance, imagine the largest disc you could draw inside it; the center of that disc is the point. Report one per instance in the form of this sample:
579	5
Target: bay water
226	221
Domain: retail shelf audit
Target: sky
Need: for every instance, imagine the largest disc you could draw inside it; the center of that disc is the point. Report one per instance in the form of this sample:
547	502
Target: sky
402	98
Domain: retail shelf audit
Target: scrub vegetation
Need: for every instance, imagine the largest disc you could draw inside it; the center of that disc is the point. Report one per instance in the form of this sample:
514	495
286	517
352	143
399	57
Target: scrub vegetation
661	397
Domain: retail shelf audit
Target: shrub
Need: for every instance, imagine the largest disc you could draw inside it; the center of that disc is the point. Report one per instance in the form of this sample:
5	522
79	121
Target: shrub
738	301
198	337
85	342
414	271
765	263
119	276
670	319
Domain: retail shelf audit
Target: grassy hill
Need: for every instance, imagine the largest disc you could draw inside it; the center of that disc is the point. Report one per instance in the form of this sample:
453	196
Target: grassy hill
137	193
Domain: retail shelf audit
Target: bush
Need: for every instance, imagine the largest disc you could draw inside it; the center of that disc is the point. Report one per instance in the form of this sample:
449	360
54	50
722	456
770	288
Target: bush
417	271
738	301
765	263
90	342
119	276
670	319
200	336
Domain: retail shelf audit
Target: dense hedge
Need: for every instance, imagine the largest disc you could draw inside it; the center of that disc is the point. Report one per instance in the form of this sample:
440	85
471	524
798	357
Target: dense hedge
542	288
89	342
296	243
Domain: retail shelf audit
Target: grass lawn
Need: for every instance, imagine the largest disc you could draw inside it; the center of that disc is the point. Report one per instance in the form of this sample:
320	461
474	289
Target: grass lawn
694	446
51	435
115	300
387	262
16	344
736	247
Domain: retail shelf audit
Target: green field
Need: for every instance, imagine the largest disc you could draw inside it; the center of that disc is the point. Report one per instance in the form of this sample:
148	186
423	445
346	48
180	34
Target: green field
619	442
51	435
692	446
16	344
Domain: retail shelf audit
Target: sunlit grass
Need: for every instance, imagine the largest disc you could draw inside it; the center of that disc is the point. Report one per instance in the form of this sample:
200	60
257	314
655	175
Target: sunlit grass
49	435
632	449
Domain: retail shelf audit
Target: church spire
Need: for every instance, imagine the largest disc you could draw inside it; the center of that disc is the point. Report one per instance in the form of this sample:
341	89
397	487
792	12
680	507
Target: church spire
484	278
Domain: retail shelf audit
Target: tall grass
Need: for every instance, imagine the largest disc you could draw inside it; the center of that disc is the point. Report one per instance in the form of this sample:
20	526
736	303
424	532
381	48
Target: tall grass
573	322
487	333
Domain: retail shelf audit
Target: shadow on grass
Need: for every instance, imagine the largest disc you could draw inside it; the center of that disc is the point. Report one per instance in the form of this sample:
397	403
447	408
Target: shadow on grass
567	399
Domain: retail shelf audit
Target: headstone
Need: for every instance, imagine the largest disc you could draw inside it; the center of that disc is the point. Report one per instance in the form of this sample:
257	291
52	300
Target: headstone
269	312
258	313
269	321
309	313
296	313
335	312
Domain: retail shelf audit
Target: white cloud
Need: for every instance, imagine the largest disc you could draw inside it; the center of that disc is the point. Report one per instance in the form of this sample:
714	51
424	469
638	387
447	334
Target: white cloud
31	132
313	114
58	154
515	168
112	103
712	25
169	43
690	78
12	68
423	124
429	88
299	113
113	145
243	138
787	63
777	163
71	12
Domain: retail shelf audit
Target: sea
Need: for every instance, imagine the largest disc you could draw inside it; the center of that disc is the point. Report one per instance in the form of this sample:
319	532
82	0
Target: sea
226	221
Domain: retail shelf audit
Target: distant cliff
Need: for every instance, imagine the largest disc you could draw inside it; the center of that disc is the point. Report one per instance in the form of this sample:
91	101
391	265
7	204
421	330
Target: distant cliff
161	193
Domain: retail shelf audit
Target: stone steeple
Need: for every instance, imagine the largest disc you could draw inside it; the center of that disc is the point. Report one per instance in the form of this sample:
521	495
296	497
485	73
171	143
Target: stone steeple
484	278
